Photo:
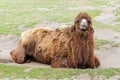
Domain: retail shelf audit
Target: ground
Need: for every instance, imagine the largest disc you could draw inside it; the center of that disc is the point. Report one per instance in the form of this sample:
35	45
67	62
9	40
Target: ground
107	36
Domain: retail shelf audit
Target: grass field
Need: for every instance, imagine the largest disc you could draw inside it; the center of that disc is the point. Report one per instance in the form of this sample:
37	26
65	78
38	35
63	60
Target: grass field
14	13
14	72
28	13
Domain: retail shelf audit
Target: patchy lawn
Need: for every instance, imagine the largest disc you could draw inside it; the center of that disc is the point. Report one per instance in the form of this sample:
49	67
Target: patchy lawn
30	12
14	72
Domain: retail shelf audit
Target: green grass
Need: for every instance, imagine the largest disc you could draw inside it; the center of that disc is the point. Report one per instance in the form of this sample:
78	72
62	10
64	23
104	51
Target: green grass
100	42
118	15
6	71
107	26
30	12
115	44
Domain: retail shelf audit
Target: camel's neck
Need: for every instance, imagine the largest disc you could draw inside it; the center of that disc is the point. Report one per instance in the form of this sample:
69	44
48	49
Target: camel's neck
81	44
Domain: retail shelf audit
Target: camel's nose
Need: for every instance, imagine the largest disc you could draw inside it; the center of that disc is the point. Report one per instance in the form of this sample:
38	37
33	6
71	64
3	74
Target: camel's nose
84	22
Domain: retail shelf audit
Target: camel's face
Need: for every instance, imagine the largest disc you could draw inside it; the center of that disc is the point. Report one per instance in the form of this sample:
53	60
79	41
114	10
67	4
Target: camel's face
17	56
83	21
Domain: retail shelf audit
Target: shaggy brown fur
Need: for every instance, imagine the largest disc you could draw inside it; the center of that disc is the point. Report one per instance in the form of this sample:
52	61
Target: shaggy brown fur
68	47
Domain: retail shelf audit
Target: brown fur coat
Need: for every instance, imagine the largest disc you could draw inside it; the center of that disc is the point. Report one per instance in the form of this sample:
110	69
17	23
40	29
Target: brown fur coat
68	47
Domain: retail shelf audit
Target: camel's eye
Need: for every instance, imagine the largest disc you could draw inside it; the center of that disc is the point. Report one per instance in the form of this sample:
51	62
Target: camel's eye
89	21
77	21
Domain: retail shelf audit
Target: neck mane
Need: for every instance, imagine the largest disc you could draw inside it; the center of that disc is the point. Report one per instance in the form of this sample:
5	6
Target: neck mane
80	45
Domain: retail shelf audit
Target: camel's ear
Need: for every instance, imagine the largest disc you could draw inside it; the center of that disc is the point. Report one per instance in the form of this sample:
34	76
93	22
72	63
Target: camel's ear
89	20
76	20
11	52
73	28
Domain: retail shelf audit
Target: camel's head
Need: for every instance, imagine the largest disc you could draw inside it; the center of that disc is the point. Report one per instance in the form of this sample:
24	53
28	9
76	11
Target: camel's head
18	55
83	21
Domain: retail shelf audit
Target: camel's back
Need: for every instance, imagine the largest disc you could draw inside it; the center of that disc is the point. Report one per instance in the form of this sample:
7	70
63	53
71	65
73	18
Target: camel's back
50	43
44	43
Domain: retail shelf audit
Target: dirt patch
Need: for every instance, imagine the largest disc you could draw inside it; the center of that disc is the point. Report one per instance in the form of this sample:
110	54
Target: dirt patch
82	77
107	34
7	42
1	10
116	77
44	23
82	8
100	78
107	15
109	56
31	64
78	77
50	24
46	9
27	70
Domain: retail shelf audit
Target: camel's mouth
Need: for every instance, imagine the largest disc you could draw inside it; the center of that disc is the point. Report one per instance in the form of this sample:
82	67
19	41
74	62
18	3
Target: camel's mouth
83	29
